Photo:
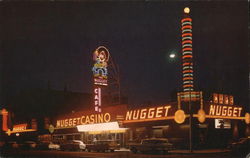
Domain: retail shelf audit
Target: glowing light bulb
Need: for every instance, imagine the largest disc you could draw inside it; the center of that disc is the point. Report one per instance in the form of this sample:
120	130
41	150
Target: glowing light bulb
186	10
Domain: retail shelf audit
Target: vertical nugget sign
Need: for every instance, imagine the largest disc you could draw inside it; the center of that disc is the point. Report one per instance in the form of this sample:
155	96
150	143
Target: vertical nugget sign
100	72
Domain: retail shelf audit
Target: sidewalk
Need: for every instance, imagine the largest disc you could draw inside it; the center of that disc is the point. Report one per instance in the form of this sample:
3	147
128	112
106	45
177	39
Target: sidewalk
205	151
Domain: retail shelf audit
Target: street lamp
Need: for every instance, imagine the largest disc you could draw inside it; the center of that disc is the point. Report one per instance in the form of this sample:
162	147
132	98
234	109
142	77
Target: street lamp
172	55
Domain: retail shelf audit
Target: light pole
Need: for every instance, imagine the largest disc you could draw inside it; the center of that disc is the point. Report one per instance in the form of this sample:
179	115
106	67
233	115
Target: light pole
190	124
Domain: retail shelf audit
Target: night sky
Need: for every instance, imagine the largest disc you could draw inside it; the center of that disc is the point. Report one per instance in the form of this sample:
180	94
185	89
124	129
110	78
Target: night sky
54	41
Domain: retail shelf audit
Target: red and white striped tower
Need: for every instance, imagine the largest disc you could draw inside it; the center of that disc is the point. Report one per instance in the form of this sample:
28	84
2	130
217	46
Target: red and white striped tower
187	55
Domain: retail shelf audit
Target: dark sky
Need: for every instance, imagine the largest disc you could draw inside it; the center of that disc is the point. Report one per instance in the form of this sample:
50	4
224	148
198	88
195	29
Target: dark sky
54	41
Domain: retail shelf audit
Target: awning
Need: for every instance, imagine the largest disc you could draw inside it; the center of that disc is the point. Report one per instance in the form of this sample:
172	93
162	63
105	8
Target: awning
112	127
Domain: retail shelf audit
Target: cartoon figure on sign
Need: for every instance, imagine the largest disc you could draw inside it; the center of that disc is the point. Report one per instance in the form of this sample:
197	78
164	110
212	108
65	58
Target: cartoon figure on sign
221	124
101	57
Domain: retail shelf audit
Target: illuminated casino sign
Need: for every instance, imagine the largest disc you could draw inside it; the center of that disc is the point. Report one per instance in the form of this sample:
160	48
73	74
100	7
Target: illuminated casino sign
223	99
84	119
148	114
97	99
73	119
230	111
20	127
222	105
101	58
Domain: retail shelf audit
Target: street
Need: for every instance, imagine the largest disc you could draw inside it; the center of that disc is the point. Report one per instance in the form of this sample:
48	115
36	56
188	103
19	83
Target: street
143	79
117	154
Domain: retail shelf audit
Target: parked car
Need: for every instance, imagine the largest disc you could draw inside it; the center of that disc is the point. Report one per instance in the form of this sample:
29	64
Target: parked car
152	145
73	145
241	147
28	145
53	146
103	145
82	146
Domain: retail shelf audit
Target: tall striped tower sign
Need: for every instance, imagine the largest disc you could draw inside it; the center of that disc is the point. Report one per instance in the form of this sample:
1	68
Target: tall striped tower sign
187	55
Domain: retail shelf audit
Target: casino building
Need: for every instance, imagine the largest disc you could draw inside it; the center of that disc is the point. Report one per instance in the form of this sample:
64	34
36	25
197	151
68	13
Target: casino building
207	123
218	117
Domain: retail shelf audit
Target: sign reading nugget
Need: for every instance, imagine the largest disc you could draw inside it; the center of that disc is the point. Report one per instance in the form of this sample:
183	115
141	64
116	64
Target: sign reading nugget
230	111
222	105
147	114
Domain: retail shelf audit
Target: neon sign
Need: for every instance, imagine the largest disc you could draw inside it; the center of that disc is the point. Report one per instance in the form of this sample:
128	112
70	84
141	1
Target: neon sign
223	99
97	99
187	54
222	124
222	106
187	96
220	110
147	114
101	58
85	119
4	112
20	127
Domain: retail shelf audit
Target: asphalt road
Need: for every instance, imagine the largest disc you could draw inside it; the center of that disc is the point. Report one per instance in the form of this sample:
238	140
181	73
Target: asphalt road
120	154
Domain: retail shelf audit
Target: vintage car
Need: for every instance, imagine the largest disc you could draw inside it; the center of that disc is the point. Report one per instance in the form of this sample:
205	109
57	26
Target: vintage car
53	146
75	145
102	146
151	145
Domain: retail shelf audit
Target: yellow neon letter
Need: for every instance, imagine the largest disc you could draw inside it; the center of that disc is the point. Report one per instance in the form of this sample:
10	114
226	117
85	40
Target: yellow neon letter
151	112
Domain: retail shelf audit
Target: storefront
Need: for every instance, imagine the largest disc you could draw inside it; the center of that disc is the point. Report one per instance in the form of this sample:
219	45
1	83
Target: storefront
220	119
89	125
147	122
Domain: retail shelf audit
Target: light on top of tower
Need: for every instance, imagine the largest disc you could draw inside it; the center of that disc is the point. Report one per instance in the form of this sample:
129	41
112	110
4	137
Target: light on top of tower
186	10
